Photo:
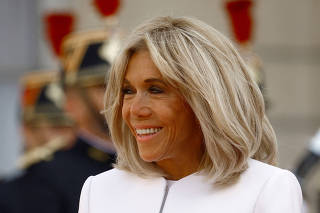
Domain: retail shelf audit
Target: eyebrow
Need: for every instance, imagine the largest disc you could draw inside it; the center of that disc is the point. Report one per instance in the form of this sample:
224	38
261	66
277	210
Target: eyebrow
126	81
149	80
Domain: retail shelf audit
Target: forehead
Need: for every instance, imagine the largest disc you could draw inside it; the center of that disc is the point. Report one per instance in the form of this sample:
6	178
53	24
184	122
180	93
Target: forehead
141	66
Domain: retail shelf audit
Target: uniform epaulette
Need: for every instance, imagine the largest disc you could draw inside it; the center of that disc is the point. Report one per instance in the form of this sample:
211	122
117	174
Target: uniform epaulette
42	153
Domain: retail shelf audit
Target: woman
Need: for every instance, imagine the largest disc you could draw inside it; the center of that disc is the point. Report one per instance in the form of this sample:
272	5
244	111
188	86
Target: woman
189	126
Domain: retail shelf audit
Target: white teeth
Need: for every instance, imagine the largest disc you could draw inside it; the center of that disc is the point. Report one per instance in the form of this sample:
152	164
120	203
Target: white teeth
147	131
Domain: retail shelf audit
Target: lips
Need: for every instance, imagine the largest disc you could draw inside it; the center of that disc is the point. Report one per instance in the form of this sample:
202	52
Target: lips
147	131
145	134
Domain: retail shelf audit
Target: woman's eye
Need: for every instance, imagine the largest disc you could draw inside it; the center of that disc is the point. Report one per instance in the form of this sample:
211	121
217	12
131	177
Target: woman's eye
127	91
155	90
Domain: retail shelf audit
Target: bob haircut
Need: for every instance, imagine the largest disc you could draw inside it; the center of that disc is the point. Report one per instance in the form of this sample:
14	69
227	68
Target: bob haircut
209	73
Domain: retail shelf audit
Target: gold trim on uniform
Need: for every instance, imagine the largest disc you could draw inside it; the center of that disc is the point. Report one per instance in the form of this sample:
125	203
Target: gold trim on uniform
42	153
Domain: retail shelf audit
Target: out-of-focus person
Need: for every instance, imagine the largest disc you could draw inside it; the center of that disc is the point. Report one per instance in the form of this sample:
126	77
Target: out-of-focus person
43	117
46	129
306	166
83	76
310	159
91	152
190	129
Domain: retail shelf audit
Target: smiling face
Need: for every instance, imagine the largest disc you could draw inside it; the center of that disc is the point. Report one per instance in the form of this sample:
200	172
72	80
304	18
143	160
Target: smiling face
163	124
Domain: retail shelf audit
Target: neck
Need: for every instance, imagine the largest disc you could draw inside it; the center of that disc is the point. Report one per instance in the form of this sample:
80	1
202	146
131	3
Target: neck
177	168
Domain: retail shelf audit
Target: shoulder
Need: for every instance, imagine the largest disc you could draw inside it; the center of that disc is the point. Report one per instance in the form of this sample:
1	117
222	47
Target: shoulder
110	179
278	188
263	174
119	187
116	178
41	153
263	170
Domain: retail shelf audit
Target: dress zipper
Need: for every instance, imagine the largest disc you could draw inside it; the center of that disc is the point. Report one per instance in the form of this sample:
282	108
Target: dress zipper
164	197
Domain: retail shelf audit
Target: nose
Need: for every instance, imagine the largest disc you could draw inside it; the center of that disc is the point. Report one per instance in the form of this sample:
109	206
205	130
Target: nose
140	106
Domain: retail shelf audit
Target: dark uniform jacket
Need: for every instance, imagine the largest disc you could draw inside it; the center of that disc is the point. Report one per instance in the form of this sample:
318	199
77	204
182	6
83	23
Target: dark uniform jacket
54	186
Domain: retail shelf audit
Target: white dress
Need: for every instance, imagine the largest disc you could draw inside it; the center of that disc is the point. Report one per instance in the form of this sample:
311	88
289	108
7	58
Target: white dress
261	189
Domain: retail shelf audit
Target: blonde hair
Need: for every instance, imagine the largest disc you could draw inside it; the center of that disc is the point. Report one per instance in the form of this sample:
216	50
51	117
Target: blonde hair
214	80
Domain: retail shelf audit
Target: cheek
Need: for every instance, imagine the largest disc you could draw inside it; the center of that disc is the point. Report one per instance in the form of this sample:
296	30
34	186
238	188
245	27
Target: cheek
183	119
68	105
170	116
125	112
173	112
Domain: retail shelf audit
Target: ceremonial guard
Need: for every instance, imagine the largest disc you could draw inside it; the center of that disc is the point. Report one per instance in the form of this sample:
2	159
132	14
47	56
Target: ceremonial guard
308	163
46	129
83	76
60	176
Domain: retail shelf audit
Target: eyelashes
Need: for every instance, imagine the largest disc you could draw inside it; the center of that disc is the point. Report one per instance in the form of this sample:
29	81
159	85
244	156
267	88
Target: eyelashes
152	89
127	91
155	90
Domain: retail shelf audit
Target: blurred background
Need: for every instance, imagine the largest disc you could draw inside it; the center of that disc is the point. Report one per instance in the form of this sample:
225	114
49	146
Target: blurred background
285	36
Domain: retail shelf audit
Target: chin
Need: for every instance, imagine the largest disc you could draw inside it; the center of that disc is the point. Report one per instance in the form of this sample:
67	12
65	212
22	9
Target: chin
148	157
